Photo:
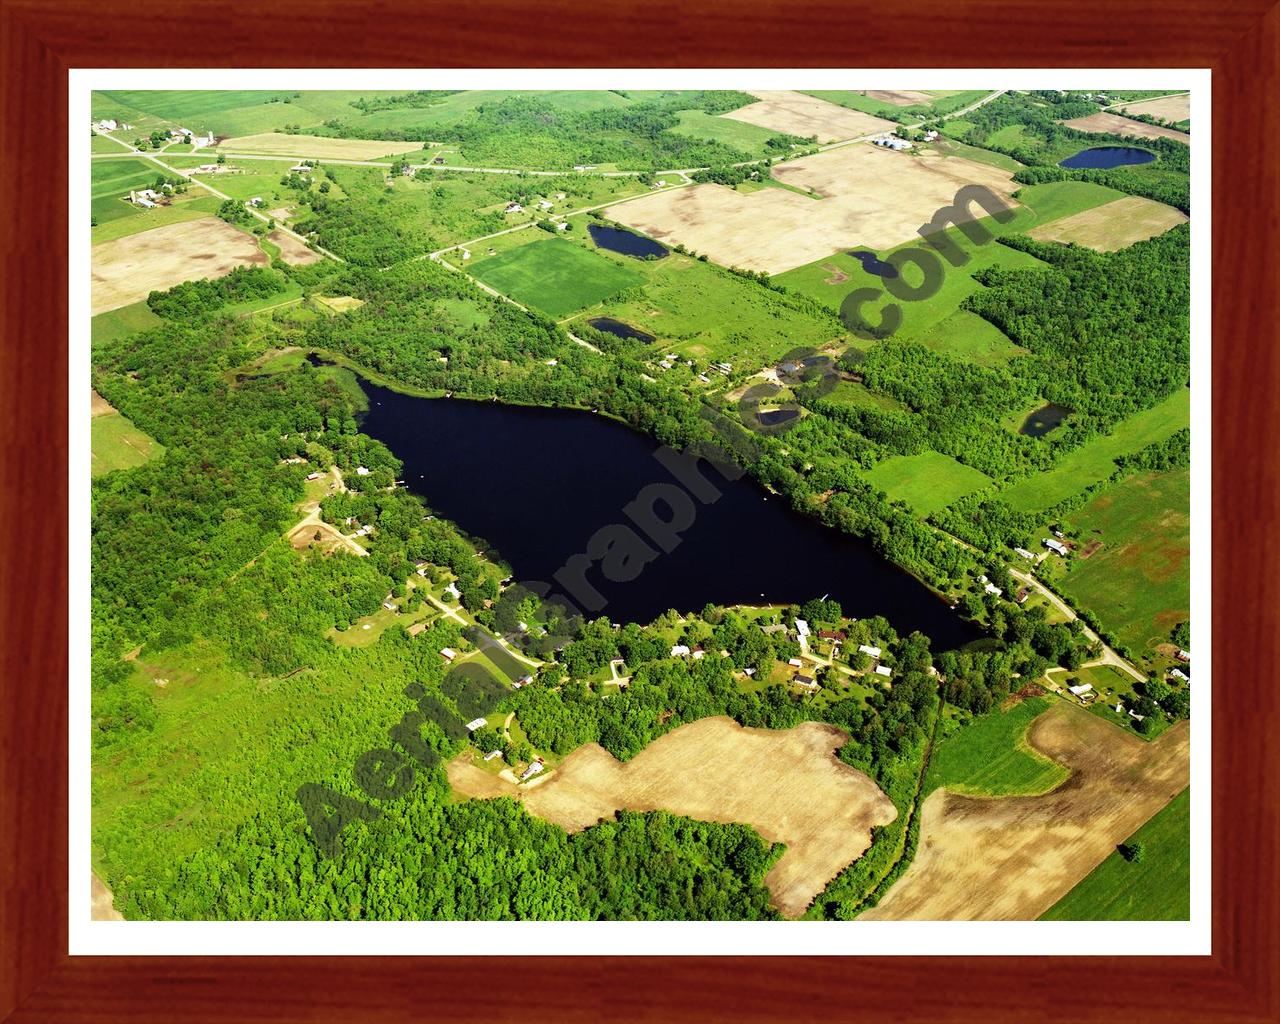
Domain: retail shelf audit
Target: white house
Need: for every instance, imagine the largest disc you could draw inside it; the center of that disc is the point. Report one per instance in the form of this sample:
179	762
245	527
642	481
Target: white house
884	670
314	476
545	204
448	653
107	124
1184	656
930	135
362	470
301	168
991	588
1177	673
531	771
514	208
795	662
1056	546
808	682
492	754
200	141
1024	553
476	723
698	652
453	591
680	651
802	627
1081	689
869	651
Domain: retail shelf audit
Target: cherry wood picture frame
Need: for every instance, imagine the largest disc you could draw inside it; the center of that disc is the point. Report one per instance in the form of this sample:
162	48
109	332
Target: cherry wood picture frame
39	41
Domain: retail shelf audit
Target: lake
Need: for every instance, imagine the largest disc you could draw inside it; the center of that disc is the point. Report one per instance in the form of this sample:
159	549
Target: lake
872	264
625	242
619	329
1040	421
538	483
1108	156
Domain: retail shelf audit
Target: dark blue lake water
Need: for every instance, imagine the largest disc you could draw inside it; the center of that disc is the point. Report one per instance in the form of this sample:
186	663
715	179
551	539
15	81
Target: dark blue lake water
872	264
539	483
619	329
625	242
1108	156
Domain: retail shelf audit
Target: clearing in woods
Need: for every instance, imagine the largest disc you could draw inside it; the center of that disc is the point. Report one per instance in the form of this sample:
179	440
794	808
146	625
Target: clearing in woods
786	784
927	482
292	251
1114	124
129	269
278	144
870	197
1170	108
554	276
1114	226
114	442
1012	858
797	114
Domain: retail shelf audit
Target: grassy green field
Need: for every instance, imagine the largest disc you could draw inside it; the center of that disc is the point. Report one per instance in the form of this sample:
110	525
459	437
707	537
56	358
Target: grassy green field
1138	582
231	111
951	147
859	396
115	443
253	178
1157	888
965	337
703	312
749	138
111	179
944	101
1095	460
554	276
120	323
927	482
990	756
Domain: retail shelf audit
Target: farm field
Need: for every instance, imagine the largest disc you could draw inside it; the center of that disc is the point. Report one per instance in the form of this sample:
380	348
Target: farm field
990	756
292	251
796	113
320	147
1138	581
1169	108
121	322
245	180
1095	460
115	443
1158	888
927	482
891	102
1116	125
129	269
112	179
1012	858
192	205
228	112
871	197
702	312
554	276
952	147
749	138
965	335
1114	225
787	784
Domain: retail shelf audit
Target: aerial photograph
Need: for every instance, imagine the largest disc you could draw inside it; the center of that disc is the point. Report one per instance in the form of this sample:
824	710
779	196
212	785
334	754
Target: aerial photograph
640	505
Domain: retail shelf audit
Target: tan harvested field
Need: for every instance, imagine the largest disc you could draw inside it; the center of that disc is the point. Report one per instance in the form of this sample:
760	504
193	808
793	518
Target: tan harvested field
292	251
1012	858
99	406
1113	225
130	268
277	144
898	97
1170	108
786	784
1114	124
798	114
870	197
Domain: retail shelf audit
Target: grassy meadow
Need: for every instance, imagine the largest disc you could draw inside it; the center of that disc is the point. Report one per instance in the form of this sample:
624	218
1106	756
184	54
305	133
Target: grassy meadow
927	482
115	443
990	756
554	276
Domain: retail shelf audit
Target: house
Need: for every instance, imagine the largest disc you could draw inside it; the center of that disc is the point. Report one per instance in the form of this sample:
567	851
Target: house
514	208
930	135
362	470
524	680
562	225
704	378
492	754
1135	716
1025	553
991	588
545	204
680	651
748	672
466	254
438	160
532	770
795	663
869	651
1083	688
1056	546
477	723
1023	594
802	627
884	670
1184	656
256	201
301	168
831	634
314	476
200	141
1177	673
1059	534
453	591
106	125
808	682
389	605
698	652
420	567
448	653
138	199
777	627
561	195
1119	708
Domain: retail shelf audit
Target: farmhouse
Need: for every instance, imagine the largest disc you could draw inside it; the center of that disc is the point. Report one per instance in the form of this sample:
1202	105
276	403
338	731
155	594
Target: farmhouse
545	204
106	125
145	198
1056	546
301	168
869	651
448	653
1083	688
831	634
808	682
453	591
389	605
532	770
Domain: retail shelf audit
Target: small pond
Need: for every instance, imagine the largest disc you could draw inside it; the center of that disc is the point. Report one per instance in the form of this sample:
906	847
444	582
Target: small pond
772	417
873	264
1108	156
1040	421
619	329
625	242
